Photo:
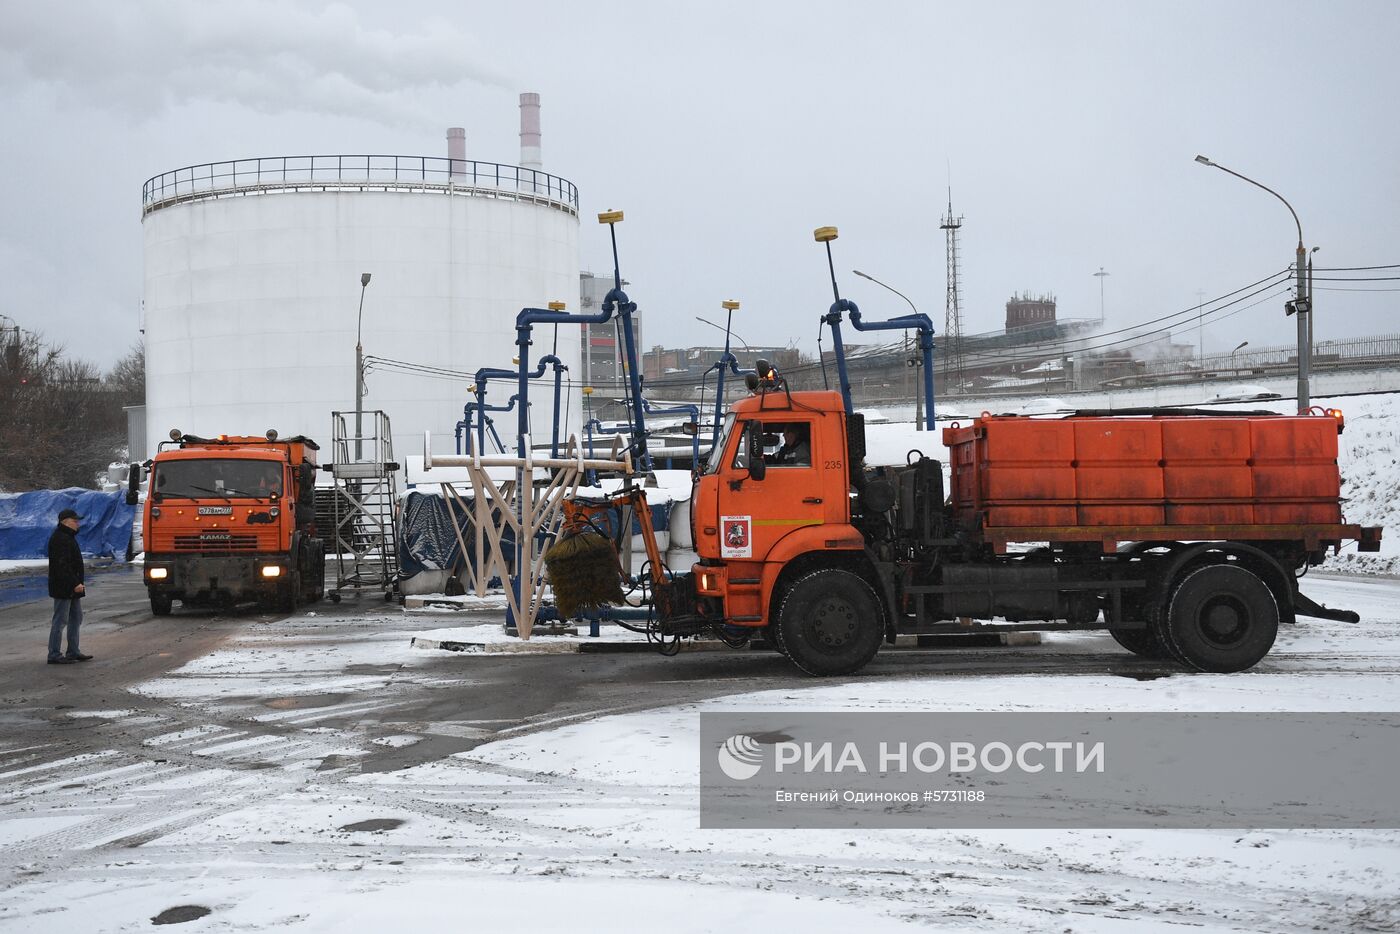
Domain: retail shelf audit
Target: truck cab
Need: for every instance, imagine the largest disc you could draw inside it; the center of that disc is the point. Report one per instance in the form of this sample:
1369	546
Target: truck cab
232	519
773	503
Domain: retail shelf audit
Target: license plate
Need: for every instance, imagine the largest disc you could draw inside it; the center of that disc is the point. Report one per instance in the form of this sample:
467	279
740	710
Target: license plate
215	510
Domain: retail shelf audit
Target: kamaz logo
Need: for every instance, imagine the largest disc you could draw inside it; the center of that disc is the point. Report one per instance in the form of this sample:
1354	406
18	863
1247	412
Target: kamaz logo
214	536
215	510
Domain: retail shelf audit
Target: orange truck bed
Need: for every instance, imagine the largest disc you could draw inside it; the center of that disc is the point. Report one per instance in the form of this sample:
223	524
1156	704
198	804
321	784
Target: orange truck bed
1088	478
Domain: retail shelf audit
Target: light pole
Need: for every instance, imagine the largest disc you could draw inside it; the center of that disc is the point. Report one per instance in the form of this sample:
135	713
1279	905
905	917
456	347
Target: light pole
1242	345
1200	329
730	306
360	369
909	365
728	333
1302	301
1101	275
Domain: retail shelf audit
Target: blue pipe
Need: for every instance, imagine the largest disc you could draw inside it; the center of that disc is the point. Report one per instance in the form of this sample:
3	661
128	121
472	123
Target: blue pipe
485	374
726	358
524	325
919	321
588	427
481	409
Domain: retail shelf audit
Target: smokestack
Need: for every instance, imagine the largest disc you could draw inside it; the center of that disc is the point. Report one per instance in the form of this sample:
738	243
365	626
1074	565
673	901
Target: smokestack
530	131
457	150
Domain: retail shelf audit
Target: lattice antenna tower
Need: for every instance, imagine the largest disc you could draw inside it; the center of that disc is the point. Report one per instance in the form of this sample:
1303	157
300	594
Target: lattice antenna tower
952	321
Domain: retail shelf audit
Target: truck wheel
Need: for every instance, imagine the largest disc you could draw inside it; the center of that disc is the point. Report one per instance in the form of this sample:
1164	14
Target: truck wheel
291	596
1221	618
161	604
772	636
829	622
1141	642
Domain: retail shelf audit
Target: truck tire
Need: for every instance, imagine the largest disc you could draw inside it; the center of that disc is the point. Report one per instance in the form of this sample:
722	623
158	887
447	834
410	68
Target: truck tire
1221	618
830	622
773	638
1141	642
161	604
290	597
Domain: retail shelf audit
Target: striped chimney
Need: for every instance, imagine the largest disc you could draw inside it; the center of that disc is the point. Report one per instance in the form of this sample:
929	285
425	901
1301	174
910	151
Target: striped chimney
457	150
530	131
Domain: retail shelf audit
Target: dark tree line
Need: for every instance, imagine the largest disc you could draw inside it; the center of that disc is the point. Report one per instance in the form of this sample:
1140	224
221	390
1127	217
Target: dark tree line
61	419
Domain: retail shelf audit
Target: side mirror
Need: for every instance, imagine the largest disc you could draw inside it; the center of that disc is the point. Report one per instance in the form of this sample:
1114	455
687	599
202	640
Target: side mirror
133	484
757	468
690	428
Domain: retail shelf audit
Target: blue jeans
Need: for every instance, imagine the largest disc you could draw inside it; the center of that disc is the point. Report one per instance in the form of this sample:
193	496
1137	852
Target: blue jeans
68	612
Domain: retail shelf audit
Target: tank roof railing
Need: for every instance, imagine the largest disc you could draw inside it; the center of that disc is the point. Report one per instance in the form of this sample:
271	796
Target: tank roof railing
357	173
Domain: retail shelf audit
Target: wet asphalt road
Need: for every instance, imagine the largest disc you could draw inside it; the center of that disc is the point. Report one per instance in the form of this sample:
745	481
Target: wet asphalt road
451	703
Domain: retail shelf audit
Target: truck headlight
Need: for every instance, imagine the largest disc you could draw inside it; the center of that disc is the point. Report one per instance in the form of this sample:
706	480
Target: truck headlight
157	574
271	570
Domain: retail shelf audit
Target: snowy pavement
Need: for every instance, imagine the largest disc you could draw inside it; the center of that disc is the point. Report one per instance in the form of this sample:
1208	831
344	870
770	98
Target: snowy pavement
283	782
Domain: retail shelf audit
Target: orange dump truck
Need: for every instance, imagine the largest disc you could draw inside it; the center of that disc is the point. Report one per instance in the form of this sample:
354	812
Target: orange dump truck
233	519
1182	533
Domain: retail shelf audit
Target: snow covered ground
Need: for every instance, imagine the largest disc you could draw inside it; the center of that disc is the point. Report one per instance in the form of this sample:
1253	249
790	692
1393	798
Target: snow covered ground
272	815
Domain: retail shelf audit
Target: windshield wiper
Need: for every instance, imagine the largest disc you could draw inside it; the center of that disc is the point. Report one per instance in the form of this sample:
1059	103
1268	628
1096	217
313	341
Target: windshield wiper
219	493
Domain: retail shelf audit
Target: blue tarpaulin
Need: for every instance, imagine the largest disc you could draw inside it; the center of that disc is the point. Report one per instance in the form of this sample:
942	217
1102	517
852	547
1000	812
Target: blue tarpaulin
28	519
427	541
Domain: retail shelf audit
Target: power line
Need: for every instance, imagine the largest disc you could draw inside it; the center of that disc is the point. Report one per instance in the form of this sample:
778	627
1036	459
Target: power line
1334	288
1358	278
1135	333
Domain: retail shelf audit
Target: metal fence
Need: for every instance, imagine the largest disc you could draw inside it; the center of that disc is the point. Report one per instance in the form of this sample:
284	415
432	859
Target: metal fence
348	172
1379	348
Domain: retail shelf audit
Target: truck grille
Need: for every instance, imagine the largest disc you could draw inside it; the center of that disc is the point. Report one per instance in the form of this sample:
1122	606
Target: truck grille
216	542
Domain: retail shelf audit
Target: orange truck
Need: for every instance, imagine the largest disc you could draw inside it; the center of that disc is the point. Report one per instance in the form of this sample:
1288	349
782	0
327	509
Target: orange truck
233	519
1183	533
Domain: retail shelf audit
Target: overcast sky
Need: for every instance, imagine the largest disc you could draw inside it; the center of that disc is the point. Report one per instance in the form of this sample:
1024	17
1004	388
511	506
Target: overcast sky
728	131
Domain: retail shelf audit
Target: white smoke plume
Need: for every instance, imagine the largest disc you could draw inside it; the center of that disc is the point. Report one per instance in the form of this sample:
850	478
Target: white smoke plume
142	58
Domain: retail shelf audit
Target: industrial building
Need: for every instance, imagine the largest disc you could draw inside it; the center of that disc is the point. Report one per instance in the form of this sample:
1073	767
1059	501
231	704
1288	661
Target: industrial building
253	286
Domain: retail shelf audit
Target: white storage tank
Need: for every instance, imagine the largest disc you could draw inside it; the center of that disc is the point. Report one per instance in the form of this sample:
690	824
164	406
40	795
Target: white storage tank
253	286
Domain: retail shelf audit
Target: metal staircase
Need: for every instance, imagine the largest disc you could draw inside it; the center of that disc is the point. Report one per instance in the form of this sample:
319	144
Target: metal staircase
364	505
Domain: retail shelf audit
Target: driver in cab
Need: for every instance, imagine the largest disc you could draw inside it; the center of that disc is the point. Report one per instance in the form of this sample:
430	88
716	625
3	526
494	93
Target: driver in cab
796	449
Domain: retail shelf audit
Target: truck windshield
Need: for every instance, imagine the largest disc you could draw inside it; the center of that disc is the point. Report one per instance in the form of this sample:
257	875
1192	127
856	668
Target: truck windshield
712	465
222	477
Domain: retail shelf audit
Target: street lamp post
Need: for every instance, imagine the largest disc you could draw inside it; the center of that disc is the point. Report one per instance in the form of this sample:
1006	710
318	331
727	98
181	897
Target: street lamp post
1101	275
918	399
1200	329
1302	302
1242	344
360	370
727	332
730	306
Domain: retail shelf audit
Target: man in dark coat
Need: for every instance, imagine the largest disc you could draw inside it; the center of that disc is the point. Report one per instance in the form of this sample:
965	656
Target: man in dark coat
66	588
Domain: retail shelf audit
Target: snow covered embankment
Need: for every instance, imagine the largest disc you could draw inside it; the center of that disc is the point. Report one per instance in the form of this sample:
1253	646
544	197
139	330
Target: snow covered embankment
1370	465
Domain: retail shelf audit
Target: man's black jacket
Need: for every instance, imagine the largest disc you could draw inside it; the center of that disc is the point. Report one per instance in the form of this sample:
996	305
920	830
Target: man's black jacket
65	563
